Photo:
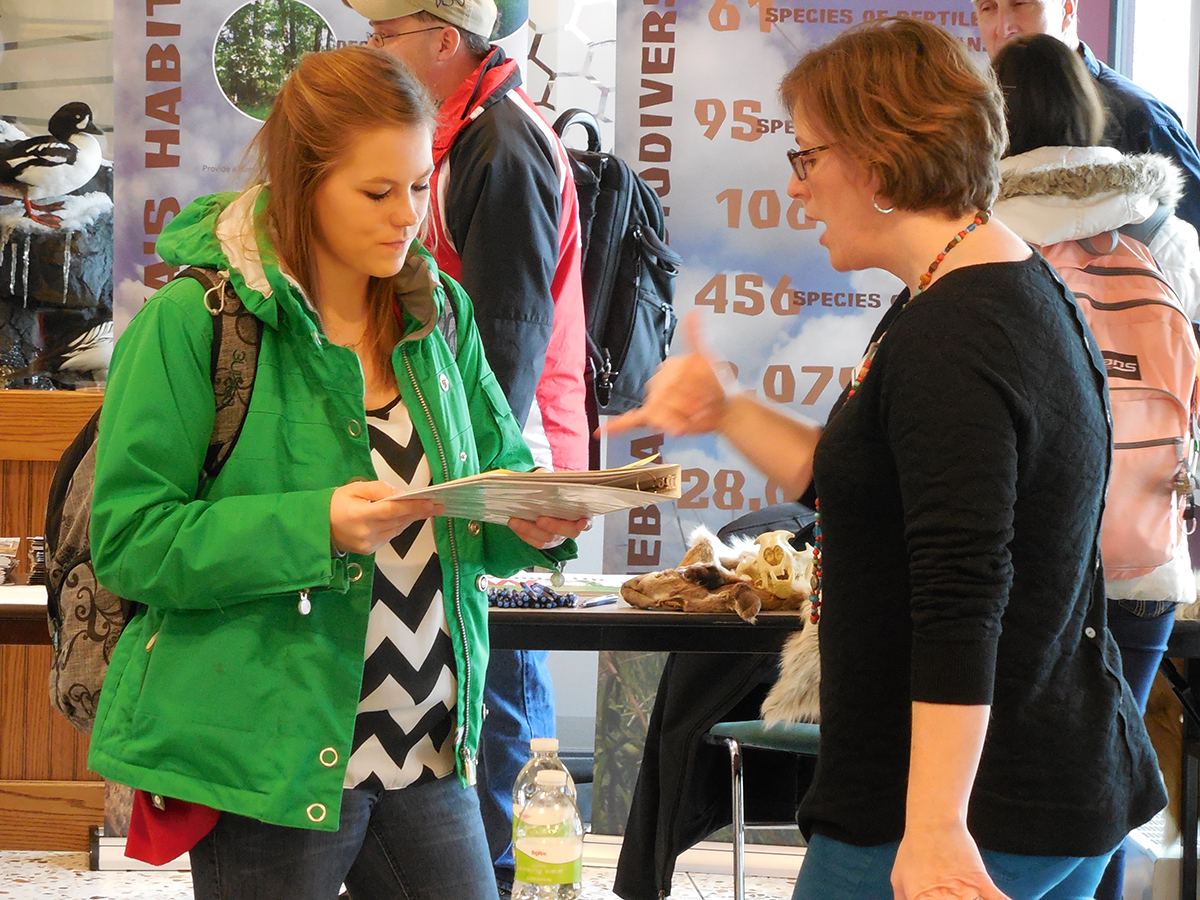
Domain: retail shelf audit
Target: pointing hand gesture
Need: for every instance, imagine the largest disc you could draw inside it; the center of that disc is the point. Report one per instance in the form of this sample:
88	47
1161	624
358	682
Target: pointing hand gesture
685	396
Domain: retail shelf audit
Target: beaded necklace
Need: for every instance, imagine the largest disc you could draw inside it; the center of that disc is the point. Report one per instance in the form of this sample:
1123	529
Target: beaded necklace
860	373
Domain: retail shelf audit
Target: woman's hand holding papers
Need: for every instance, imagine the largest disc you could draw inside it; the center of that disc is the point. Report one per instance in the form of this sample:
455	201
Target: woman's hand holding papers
545	532
362	518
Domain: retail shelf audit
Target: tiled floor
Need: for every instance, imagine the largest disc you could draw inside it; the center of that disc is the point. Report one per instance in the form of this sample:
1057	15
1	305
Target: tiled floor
65	876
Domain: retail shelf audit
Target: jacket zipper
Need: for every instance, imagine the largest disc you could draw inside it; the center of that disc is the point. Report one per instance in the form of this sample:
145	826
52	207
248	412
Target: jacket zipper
464	751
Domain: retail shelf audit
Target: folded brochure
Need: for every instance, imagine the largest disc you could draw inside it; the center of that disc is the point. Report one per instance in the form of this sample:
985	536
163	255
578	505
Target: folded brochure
500	495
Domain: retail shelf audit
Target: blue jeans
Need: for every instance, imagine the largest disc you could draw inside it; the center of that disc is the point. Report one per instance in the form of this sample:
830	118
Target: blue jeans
424	841
519	698
833	870
1142	640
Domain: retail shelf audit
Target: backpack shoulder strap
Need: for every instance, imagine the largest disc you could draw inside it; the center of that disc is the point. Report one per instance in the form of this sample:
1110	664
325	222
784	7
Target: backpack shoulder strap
237	337
1145	231
1100	244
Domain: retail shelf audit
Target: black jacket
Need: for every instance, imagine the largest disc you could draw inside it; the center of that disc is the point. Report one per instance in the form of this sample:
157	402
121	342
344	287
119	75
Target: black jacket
961	492
683	791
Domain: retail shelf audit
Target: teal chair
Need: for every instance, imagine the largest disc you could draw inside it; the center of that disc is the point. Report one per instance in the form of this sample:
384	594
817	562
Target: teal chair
798	737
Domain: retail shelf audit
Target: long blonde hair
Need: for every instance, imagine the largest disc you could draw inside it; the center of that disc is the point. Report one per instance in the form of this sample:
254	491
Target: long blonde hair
326	104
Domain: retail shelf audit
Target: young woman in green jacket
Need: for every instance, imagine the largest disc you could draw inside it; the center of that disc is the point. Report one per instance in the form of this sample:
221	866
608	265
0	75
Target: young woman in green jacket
306	666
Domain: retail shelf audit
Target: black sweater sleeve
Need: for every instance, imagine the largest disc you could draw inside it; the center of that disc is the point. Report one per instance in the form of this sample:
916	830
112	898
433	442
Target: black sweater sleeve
503	206
949	409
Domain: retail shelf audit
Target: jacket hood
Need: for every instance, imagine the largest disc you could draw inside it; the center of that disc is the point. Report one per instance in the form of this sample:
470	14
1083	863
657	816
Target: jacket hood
218	231
1065	193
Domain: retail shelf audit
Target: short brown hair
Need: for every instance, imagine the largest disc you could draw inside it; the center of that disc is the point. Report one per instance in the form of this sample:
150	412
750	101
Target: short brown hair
903	98
1050	97
328	102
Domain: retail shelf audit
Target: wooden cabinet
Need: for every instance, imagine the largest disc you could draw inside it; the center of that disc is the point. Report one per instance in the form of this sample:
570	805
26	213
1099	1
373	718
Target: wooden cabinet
48	798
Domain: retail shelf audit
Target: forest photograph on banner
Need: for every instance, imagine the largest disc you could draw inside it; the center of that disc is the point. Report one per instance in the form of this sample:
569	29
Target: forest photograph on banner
190	92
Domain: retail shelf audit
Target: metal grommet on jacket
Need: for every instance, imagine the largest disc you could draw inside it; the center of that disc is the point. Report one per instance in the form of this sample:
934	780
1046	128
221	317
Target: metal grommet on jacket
444	381
353	571
474	527
316	812
329	757
481	582
354	428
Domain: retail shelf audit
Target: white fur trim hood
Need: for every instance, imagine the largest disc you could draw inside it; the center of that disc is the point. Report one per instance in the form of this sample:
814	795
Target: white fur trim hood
1065	193
1057	194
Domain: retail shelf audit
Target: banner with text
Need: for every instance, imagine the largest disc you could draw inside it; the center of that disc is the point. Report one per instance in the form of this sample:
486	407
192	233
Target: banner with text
192	85
699	117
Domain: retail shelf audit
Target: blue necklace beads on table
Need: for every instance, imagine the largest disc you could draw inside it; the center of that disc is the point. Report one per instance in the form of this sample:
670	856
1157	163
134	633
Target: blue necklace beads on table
529	596
860	373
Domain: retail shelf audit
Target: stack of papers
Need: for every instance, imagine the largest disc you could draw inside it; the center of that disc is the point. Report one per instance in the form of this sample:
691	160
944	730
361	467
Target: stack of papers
501	495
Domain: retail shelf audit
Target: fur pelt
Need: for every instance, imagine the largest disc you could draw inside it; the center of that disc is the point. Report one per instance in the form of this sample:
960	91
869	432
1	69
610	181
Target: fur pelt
706	581
1145	173
795	697
702	587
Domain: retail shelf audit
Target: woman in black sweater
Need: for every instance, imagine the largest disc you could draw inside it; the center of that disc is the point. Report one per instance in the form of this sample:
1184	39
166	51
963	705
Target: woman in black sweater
977	739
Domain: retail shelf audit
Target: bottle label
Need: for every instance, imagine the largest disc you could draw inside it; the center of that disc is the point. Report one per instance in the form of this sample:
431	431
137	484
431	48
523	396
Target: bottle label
549	860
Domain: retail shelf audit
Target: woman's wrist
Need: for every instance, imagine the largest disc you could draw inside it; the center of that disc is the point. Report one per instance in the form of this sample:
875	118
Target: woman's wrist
732	406
922	824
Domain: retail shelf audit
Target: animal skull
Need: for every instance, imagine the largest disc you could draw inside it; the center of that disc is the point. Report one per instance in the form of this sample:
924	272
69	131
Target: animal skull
776	568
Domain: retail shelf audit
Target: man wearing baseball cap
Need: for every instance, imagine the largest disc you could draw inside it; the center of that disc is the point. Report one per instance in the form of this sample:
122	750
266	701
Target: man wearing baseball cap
505	225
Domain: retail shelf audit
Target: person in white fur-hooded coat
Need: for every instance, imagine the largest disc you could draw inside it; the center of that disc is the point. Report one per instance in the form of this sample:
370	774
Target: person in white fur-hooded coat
1056	194
1057	185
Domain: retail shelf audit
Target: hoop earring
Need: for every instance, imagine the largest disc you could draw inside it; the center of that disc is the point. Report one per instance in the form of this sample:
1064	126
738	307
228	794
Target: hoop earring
878	208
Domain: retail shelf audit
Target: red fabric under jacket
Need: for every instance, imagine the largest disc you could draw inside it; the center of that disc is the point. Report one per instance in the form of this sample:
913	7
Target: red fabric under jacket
560	392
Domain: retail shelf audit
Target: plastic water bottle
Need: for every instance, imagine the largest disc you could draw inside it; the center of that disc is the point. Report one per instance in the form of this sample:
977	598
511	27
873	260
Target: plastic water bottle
548	845
544	758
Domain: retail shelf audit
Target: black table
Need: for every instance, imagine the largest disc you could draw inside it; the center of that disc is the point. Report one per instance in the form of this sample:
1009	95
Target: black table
614	627
622	627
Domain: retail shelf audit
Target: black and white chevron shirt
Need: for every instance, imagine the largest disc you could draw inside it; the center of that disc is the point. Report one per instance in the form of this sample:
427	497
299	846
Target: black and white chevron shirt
403	731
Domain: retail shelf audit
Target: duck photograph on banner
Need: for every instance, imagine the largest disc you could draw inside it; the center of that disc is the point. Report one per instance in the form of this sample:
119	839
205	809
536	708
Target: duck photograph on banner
56	201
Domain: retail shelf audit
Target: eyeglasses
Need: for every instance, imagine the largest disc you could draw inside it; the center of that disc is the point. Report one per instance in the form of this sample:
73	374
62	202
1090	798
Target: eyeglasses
378	39
796	159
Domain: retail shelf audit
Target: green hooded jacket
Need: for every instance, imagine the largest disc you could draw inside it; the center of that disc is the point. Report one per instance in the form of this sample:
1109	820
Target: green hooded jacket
220	691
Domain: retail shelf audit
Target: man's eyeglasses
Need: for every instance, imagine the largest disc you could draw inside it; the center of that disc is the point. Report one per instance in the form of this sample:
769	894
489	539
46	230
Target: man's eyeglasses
797	157
378	39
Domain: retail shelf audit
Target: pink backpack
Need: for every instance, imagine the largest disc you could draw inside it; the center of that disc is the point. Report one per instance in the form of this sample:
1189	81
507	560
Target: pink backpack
1150	353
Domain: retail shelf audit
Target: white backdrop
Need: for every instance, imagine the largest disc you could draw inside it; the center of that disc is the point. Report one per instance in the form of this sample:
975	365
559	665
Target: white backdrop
698	110
689	89
172	147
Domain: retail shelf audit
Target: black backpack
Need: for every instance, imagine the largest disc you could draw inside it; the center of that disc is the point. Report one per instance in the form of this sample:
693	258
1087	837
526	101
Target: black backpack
628	272
85	618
